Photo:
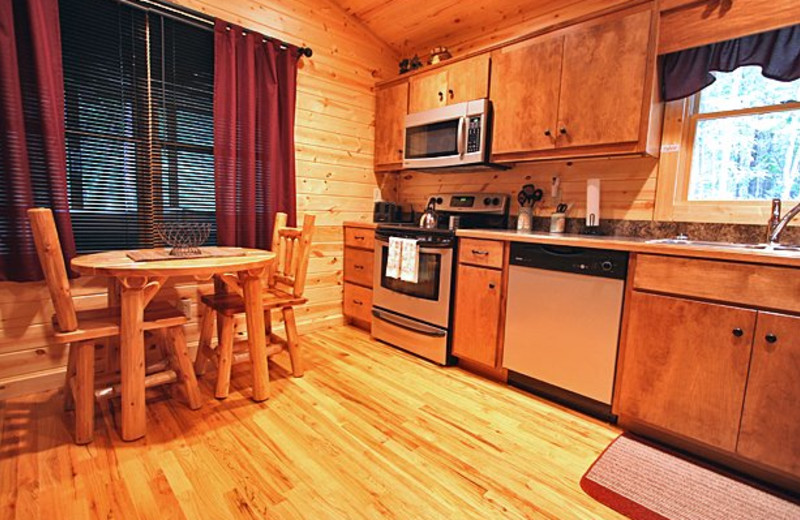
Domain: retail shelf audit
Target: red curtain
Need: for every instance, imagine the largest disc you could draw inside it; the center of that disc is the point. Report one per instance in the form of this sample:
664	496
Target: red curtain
255	82
32	149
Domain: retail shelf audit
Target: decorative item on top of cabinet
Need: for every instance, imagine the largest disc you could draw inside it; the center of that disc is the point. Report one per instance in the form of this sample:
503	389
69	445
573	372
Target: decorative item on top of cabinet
391	104
720	379
359	245
479	312
457	82
585	90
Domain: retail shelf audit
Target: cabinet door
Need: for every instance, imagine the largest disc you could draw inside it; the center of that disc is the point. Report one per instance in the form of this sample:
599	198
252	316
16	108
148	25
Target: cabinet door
476	325
603	80
390	113
770	431
427	91
685	366
468	79
524	93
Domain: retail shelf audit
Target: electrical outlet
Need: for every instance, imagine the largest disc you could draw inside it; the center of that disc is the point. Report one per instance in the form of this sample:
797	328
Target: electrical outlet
185	306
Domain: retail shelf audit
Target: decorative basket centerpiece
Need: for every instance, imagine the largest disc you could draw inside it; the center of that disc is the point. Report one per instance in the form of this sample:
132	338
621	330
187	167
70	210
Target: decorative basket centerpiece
185	238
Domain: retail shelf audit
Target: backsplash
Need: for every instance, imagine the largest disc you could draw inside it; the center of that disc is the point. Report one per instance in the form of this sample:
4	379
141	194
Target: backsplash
694	230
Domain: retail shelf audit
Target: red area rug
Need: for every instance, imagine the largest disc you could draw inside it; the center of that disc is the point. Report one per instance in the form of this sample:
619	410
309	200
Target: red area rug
646	483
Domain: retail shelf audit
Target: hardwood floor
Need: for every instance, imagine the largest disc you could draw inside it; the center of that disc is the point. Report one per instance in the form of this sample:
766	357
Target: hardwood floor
368	432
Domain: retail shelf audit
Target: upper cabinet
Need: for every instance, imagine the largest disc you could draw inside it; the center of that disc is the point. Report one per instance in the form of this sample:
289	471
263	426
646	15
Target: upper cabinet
461	81
390	112
584	90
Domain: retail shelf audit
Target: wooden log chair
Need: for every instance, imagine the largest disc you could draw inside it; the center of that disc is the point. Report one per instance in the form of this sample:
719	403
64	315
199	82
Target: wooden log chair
82	329
284	290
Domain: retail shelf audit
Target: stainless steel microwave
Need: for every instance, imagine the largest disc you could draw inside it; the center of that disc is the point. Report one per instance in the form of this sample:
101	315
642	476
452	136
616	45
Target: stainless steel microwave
453	135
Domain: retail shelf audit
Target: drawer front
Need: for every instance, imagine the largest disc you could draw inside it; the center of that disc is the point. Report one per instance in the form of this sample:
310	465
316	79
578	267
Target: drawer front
359	237
358	266
357	302
763	286
484	253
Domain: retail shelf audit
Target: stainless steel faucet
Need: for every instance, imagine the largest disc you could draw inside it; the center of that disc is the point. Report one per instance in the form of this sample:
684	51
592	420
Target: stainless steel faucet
776	224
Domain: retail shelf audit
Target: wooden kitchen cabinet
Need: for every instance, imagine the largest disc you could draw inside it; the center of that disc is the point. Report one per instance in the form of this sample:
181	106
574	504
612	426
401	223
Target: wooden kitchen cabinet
359	245
685	366
770	431
391	105
585	90
476	321
460	81
524	93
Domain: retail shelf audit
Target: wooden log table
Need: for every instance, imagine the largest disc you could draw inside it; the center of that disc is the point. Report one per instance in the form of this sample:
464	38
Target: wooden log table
138	284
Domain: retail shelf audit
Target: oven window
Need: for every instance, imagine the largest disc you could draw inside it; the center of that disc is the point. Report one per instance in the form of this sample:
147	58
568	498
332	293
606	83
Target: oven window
427	286
432	140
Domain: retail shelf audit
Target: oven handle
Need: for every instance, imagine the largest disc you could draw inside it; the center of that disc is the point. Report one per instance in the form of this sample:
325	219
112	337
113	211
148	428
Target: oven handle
436	250
460	138
408	324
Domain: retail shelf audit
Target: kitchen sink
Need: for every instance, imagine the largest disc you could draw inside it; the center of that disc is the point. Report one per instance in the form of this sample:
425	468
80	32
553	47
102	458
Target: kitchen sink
731	245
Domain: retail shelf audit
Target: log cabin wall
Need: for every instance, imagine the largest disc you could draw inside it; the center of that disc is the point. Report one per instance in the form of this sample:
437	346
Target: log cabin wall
335	180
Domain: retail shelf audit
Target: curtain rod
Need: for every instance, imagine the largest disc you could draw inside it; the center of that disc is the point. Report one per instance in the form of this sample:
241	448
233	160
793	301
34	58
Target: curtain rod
192	17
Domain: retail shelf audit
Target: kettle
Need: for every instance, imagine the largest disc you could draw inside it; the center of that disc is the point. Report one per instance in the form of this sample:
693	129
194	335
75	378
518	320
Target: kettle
429	219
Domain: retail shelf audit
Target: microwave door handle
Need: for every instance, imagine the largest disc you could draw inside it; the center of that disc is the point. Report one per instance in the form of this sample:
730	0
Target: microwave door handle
460	138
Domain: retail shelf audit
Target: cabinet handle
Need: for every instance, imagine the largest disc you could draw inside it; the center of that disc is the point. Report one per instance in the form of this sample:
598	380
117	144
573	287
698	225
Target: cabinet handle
548	133
357	266
452	94
479	252
771	338
441	96
358	237
491	286
738	332
358	302
563	130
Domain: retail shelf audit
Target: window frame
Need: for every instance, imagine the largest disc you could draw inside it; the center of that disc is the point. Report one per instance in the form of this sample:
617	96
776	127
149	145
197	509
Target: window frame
677	142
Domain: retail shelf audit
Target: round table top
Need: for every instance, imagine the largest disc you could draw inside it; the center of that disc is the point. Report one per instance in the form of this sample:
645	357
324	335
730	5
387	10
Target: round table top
117	263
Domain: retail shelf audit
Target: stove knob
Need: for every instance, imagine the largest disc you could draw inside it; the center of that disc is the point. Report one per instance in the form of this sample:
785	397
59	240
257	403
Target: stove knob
487	201
495	201
607	266
439	200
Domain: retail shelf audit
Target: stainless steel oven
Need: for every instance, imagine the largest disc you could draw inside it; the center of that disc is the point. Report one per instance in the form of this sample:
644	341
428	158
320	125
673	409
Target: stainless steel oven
453	135
415	316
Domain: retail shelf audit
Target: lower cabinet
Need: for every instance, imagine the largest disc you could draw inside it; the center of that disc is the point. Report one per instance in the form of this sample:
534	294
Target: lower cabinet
725	376
685	366
770	431
359	245
477	314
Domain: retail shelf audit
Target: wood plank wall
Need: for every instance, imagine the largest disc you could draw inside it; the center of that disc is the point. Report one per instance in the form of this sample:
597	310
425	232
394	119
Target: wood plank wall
628	185
334	135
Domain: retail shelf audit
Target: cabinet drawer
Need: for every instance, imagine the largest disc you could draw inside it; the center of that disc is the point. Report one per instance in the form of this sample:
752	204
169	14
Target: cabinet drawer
357	302
359	237
748	284
485	253
358	266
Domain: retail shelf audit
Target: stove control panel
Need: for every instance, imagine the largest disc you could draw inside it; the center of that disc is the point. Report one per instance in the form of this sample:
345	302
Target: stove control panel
471	202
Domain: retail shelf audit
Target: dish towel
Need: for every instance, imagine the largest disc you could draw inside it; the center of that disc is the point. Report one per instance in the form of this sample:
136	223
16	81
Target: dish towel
393	260
409	264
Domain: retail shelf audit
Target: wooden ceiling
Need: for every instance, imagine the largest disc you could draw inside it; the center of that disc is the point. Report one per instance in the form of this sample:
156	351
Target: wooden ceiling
416	26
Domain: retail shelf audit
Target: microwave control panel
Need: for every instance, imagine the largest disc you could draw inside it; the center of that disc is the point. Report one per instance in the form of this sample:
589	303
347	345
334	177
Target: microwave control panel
474	134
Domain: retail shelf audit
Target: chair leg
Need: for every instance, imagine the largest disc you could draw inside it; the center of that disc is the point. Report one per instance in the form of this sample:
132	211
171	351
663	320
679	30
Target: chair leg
292	342
84	392
69	399
225	348
182	364
204	351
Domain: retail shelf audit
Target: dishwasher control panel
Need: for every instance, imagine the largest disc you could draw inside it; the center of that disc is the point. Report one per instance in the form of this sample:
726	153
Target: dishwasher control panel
579	260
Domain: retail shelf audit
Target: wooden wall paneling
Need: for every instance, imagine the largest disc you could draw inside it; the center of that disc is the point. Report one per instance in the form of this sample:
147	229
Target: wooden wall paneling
335	136
628	185
701	23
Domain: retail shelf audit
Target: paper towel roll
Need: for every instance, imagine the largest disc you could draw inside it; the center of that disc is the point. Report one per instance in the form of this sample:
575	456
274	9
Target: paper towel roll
592	202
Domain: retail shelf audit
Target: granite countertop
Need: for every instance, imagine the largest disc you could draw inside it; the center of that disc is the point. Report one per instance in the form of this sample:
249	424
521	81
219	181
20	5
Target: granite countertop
639	245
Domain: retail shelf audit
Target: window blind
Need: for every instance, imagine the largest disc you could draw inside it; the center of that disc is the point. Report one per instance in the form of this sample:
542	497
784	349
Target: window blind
139	123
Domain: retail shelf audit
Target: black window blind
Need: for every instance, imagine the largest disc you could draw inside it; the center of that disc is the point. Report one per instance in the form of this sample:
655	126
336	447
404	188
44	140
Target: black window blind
139	123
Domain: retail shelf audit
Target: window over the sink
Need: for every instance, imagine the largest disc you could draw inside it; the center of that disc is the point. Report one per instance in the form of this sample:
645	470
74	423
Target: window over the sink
729	149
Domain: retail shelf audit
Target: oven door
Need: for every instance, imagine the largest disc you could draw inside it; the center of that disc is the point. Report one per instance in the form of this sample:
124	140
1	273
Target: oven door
428	300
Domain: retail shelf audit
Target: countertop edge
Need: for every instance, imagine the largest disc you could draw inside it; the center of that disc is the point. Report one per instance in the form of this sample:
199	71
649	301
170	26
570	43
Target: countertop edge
635	245
357	224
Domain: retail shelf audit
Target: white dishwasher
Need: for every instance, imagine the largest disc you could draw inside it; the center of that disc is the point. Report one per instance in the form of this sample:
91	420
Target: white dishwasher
563	322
